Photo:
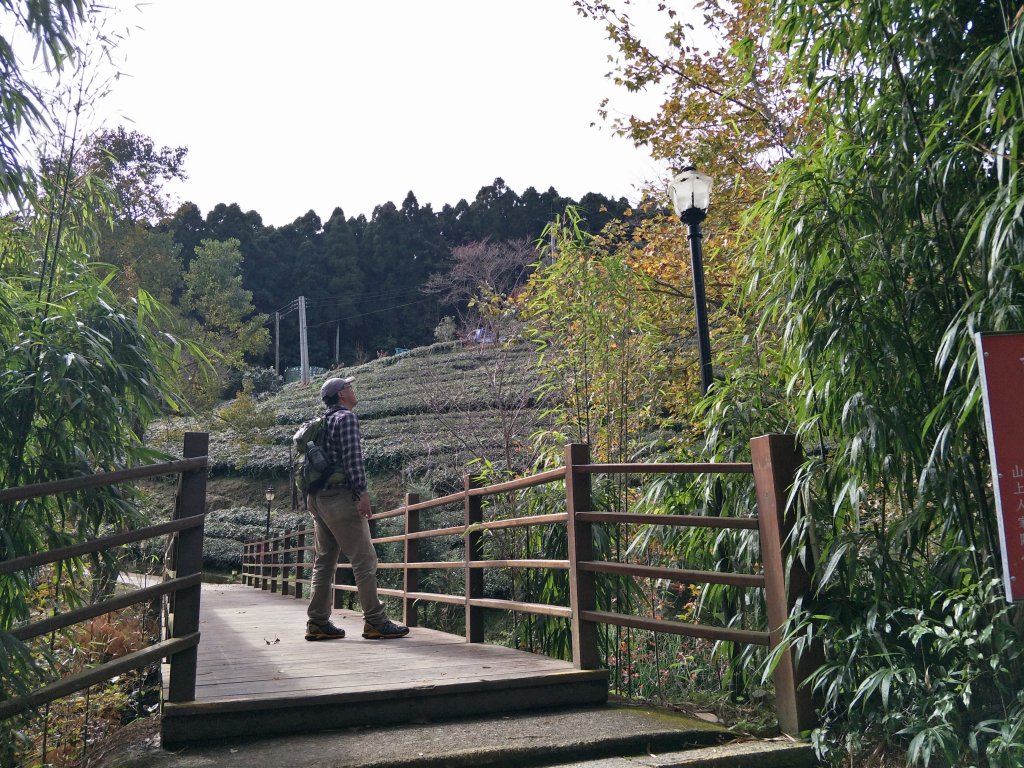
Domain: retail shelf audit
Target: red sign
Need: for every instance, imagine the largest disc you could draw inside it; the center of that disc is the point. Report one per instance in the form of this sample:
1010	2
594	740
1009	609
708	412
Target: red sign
1001	361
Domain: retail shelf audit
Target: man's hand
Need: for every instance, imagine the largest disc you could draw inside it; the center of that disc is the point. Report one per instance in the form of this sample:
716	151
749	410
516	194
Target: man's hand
363	505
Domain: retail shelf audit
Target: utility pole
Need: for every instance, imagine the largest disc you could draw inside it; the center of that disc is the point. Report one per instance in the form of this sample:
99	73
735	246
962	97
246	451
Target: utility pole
337	343
303	348
277	343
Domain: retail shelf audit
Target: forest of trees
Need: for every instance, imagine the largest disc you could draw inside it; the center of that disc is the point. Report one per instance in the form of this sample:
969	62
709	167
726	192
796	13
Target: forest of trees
363	279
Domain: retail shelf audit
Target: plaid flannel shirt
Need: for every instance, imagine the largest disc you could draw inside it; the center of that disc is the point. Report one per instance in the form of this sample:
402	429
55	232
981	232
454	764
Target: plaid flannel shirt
344	448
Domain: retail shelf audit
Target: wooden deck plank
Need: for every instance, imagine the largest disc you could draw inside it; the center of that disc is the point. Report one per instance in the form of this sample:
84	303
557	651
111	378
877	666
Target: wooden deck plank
425	668
257	672
295	688
314	680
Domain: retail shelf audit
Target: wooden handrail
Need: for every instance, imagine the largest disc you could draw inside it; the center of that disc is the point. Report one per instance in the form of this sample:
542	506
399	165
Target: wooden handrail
512	522
455	564
720	468
773	471
696	521
681	575
524	522
451	498
536	563
541	478
539	609
98	545
678	627
436	533
78	615
102	479
435	597
89	677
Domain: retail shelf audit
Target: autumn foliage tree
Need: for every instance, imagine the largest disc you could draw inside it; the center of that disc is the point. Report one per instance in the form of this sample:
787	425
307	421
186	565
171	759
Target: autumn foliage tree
586	310
728	108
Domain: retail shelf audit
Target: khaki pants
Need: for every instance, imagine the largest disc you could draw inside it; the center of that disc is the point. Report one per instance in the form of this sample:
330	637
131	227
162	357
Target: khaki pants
338	528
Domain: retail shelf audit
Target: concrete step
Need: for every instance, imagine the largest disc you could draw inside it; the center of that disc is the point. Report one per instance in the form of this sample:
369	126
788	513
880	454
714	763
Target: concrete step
611	736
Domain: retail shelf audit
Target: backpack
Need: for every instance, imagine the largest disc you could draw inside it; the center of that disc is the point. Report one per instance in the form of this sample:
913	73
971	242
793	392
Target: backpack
311	468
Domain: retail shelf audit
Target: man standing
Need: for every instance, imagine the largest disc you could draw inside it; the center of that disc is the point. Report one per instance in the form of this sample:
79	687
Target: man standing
341	511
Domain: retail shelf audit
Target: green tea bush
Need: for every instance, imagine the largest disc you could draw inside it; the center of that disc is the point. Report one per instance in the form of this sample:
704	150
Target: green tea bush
221	555
415	411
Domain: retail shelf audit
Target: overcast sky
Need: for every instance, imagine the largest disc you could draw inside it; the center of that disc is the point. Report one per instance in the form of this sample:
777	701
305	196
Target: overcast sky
317	104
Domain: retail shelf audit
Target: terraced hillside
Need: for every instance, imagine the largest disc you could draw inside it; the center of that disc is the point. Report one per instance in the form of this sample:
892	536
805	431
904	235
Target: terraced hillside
426	415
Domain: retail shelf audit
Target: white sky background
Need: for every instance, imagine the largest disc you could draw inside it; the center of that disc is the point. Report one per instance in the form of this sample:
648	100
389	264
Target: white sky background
315	104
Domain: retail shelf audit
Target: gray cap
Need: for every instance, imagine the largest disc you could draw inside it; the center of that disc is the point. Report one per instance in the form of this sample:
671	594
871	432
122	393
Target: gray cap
333	386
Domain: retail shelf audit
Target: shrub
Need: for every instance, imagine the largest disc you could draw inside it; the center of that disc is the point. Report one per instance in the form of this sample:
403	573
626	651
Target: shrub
445	330
259	381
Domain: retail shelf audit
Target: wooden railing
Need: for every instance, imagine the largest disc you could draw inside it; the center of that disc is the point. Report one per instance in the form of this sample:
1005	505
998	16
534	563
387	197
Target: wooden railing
278	564
183	572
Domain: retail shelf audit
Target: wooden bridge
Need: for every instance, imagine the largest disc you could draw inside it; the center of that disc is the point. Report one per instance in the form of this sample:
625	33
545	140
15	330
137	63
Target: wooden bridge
256	674
236	662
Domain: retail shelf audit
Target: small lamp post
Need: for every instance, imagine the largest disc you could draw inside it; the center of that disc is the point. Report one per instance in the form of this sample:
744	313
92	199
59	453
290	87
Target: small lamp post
691	194
269	496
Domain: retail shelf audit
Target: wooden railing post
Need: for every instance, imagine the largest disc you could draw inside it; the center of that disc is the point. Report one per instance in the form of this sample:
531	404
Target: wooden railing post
253	564
474	576
274	570
339	594
776	459
250	565
265	564
582	592
300	559
412	555
285	562
187	559
278	563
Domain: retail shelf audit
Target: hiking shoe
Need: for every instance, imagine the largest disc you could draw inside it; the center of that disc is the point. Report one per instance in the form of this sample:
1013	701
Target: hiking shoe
326	631
384	631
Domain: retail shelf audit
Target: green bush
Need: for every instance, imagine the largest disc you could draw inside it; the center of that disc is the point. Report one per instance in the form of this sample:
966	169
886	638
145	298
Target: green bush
260	381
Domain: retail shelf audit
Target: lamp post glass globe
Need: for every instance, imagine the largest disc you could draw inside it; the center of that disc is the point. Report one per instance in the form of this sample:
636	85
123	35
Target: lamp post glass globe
690	190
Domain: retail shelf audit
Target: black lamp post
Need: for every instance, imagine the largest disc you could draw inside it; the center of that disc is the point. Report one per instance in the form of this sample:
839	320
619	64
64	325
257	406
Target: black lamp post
691	194
269	496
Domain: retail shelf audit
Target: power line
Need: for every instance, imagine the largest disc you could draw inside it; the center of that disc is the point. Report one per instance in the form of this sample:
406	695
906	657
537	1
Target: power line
361	297
288	308
362	300
364	314
301	305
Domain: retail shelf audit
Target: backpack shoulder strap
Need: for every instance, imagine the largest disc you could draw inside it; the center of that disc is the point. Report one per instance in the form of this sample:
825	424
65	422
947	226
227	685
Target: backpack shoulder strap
303	434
